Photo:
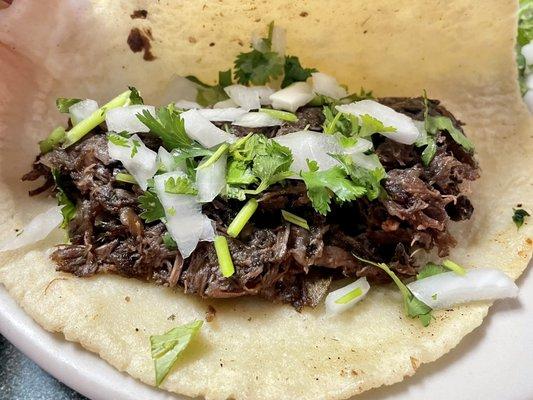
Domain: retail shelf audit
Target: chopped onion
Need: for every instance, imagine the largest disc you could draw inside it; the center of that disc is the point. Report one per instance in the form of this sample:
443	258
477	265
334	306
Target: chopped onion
211	180
82	110
168	162
37	229
278	40
124	119
264	93
346	297
370	162
141	162
228	103
292	97
328	86
527	52
187	104
406	130
179	88
310	145
256	120
245	97
529	81
200	129
184	219
360	146
222	114
449	289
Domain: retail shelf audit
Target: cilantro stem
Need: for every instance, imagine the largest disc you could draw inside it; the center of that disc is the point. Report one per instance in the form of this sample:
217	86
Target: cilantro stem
282	115
243	216
52	140
127	178
454	267
224	257
214	158
95	119
294	219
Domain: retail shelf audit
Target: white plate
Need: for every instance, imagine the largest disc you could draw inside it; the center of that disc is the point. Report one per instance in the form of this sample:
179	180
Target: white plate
494	362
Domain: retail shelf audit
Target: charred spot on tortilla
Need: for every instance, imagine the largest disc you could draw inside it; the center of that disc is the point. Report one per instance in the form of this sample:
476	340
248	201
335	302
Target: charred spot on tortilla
141	14
140	41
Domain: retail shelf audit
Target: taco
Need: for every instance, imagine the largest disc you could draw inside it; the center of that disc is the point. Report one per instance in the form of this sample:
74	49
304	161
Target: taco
332	240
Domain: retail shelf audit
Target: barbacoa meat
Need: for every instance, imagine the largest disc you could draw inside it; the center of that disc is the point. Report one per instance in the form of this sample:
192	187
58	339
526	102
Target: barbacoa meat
273	259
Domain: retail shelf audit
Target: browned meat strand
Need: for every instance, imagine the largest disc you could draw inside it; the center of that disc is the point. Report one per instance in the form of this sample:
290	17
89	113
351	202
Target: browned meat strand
273	259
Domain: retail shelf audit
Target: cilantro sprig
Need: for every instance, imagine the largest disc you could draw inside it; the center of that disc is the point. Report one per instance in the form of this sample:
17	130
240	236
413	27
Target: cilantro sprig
413	307
152	209
168	126
68	209
519	216
210	94
323	185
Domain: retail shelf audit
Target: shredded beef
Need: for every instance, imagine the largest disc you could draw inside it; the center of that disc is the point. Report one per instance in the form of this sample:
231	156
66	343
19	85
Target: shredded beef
273	259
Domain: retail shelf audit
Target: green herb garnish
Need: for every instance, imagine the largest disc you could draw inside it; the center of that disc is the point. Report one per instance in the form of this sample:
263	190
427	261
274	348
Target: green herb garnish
169	242
413	307
166	348
69	207
281	115
242	218
224	257
294	219
323	185
126	178
210	94
351	295
63	104
430	269
135	96
168	126
180	185
152	209
519	216
294	72
53	140
369	179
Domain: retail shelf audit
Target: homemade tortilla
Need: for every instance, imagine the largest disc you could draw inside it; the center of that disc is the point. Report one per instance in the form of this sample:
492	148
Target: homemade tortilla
461	52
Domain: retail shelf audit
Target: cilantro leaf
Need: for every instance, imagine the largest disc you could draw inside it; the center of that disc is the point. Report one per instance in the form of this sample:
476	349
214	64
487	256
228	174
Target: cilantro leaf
271	162
257	68
169	242
362	95
363	177
135	96
69	207
371	125
239	173
63	104
135	144
180	185
210	94
413	307
119	139
294	72
166	348
519	216
152	209
430	269
168	126
335	121
434	124
322	185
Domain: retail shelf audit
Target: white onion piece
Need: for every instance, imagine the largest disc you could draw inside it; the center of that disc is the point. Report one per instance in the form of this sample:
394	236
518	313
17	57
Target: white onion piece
124	119
449	289
187	104
529	81
527	52
264	93
292	97
202	130
310	145
365	161
406	131
37	229
256	120
143	164
179	88
222	114
211	180
245	97
184	219
360	146
334	308
278	40
228	103
82	110
328	86
168	161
